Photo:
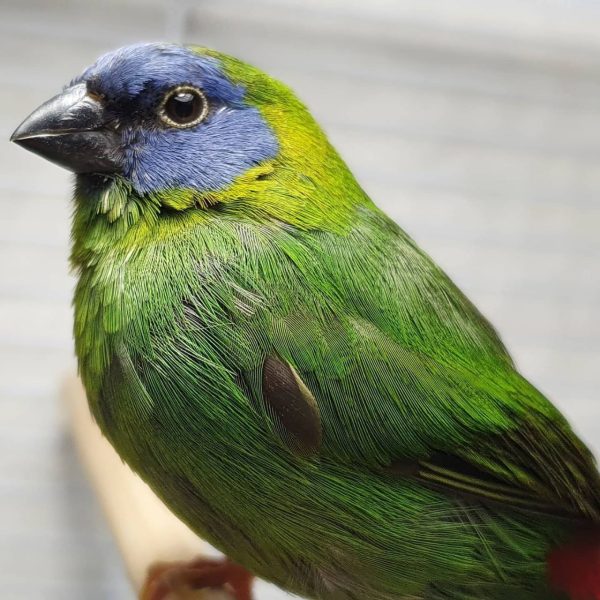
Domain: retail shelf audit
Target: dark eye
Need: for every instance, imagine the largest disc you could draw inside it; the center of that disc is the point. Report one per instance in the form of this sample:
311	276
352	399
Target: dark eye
183	106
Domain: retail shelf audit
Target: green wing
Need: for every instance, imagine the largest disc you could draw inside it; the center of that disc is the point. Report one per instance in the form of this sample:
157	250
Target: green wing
407	377
490	436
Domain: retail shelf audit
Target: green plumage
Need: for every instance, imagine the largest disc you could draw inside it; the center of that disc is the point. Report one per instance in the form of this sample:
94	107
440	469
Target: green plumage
439	473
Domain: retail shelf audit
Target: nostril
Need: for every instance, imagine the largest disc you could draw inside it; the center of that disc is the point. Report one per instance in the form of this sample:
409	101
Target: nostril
96	96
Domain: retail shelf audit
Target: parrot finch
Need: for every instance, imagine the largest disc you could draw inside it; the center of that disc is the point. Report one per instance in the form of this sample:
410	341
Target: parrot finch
288	371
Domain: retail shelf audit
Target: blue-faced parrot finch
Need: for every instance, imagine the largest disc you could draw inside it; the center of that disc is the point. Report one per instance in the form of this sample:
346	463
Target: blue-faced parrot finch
290	373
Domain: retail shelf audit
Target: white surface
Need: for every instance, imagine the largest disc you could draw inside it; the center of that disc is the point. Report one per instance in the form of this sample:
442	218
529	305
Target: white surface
475	124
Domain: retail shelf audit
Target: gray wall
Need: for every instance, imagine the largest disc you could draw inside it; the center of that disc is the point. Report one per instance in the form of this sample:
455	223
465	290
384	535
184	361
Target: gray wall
476	125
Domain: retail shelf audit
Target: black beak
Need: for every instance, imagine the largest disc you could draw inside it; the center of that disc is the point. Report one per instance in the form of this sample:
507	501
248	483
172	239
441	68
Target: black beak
70	130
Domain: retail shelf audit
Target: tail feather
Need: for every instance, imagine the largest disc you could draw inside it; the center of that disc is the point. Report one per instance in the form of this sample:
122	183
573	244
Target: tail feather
574	568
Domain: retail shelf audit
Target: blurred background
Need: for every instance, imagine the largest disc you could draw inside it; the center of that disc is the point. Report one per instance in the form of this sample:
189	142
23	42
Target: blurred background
474	123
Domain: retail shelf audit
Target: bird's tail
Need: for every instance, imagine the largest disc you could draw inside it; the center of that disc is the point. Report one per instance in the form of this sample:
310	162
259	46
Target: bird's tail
574	568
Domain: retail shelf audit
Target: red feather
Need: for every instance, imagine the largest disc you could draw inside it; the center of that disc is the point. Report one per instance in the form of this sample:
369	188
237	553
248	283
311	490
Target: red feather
575	567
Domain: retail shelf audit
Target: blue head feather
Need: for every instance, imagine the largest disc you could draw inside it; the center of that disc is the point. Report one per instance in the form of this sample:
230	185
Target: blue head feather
232	139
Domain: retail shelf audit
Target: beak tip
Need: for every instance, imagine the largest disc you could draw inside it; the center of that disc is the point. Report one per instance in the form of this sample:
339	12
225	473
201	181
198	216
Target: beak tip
21	132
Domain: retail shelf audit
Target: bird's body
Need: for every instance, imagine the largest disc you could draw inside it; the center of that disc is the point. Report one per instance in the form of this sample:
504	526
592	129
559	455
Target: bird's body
294	377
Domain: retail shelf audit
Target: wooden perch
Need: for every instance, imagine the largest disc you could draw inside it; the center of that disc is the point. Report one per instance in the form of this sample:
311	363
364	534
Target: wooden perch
145	530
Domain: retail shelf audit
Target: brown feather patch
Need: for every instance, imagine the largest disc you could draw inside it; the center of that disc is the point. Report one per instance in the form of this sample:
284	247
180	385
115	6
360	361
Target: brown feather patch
292	407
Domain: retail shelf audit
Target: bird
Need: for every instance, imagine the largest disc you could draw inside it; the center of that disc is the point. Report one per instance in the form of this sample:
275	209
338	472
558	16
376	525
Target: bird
291	374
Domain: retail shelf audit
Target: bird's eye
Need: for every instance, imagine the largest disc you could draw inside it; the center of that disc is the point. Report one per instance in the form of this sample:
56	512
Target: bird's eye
183	106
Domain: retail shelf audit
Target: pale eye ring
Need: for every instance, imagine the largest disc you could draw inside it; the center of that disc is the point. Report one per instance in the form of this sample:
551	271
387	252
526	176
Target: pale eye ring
183	106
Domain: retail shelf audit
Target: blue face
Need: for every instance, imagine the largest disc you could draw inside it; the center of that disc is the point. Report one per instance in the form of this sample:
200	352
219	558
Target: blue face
144	85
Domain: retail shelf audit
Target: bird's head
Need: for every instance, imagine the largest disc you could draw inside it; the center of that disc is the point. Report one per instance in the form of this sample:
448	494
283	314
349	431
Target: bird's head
173	128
